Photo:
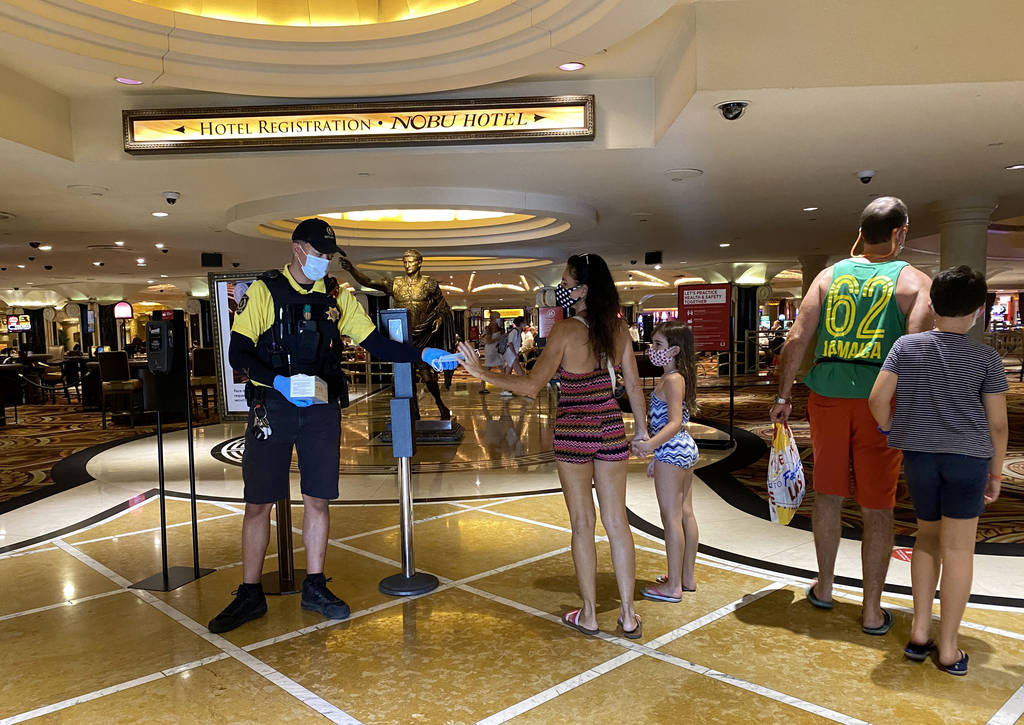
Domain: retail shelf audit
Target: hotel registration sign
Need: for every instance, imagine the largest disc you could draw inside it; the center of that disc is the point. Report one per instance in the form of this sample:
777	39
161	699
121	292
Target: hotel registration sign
414	123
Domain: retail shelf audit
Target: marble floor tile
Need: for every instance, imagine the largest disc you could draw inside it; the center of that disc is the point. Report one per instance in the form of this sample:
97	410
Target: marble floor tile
67	651
550	585
352	519
147	516
46	578
1012	621
781	642
137	557
547	508
221	692
467	544
653	692
354	579
450	657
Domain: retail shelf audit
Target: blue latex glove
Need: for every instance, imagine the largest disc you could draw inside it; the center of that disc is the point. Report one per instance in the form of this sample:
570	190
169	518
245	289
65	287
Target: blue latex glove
440	359
282	385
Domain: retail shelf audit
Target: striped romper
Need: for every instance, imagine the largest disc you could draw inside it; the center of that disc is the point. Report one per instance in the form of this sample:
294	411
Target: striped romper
588	421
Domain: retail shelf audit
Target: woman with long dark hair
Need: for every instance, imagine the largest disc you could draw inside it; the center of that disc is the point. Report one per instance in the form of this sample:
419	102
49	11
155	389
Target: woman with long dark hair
589	437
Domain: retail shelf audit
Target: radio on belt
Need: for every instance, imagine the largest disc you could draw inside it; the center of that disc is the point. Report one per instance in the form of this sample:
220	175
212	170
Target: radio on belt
309	386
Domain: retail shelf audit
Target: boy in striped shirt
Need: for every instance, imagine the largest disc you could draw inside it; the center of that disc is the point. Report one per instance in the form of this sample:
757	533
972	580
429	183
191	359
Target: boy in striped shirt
950	421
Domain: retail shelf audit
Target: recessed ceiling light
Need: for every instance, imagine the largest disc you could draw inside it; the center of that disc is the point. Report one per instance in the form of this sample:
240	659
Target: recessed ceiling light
160	213
150	281
1015	167
657	266
21	266
128	81
141	260
723	245
45	247
571	66
364	173
163	275
683	174
159	245
810	208
119	244
97	264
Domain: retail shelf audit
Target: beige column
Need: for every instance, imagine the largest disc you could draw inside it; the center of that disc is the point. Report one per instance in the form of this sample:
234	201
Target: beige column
811	266
963	235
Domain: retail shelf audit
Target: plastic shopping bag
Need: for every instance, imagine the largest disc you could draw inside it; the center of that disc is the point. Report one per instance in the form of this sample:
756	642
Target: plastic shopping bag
786	484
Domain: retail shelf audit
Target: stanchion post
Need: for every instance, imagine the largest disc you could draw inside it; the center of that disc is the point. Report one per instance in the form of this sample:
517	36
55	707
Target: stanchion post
286	579
167	356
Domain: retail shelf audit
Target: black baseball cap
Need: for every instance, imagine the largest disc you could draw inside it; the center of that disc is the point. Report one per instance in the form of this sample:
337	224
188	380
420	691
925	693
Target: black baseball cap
318	234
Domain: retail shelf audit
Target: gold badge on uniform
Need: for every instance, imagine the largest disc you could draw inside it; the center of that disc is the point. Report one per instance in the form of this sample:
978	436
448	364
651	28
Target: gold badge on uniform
332	314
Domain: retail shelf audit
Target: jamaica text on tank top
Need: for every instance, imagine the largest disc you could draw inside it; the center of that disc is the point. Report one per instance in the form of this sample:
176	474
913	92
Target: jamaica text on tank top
860	321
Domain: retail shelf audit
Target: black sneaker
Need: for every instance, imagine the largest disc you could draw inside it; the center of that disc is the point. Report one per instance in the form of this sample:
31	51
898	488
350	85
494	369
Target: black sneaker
316	597
249	603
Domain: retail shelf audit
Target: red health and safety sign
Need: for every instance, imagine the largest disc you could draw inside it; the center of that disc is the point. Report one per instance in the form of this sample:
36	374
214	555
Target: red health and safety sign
707	309
902	553
548	316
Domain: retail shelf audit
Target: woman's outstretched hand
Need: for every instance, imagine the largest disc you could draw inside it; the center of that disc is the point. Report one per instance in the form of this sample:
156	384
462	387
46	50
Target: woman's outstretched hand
470	360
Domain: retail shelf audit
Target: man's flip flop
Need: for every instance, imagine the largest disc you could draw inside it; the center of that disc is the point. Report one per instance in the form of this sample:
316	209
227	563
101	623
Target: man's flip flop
821	604
887	620
658	596
635	633
572	619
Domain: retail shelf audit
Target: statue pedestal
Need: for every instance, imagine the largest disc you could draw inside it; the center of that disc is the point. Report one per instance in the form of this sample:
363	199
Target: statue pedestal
428	432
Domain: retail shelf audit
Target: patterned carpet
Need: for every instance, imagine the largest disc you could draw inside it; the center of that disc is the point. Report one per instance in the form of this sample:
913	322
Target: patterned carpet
1002	522
46	434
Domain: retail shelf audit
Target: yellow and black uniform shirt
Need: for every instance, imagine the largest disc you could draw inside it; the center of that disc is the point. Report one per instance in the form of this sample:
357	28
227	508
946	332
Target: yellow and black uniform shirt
255	313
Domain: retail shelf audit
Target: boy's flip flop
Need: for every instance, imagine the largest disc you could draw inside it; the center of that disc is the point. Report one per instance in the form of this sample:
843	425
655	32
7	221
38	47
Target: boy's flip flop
821	604
656	594
663	579
918	652
883	628
572	619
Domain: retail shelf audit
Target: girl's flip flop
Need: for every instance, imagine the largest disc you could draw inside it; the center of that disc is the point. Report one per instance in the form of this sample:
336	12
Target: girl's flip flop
658	596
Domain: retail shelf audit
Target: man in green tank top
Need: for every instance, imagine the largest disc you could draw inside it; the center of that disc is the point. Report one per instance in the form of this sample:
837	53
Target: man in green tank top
858	308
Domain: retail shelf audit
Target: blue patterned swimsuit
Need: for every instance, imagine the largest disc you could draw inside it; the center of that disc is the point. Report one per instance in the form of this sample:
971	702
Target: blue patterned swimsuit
680	450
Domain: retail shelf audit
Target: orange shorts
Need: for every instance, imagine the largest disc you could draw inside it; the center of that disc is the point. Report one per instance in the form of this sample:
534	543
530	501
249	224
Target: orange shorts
843	431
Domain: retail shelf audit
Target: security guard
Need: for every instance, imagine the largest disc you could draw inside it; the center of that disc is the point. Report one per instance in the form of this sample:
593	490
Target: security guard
287	324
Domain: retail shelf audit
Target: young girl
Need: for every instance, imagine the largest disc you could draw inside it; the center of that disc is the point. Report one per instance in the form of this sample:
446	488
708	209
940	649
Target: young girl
675	455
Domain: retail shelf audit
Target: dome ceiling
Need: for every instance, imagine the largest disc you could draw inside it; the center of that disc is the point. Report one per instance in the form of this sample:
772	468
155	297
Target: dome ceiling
309	12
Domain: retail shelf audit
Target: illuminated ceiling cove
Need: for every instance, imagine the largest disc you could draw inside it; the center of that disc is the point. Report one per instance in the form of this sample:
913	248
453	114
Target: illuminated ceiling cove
323	13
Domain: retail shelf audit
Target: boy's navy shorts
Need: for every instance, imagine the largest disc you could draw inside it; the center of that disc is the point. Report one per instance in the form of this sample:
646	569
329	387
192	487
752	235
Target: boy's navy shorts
946	484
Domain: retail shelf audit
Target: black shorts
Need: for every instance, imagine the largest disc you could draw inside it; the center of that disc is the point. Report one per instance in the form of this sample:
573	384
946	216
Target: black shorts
947	485
314	432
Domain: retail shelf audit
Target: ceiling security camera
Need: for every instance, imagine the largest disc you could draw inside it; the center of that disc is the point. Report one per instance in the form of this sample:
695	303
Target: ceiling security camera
31	259
732	110
165	251
866	176
3	269
234	264
171	197
34	245
47	267
632	261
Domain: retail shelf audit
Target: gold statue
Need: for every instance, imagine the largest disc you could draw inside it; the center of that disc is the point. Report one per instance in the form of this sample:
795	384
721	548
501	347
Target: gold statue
430	318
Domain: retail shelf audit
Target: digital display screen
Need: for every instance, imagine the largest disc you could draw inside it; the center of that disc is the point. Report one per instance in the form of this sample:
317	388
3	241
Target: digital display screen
19	323
395	329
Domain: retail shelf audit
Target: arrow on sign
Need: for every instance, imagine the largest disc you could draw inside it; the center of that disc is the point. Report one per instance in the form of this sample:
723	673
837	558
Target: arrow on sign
537	117
180	129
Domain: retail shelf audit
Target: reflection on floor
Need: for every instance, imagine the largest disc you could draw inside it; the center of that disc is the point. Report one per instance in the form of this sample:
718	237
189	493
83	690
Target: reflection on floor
76	646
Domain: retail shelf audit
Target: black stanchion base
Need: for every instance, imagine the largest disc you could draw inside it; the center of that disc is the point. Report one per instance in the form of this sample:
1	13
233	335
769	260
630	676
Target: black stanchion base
399	585
272	583
177	576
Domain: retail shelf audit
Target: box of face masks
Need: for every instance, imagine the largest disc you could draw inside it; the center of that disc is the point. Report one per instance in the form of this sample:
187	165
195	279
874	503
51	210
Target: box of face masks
309	386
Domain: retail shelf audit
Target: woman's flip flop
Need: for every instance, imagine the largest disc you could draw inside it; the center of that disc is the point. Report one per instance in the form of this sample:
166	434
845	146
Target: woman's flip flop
572	619
663	579
635	633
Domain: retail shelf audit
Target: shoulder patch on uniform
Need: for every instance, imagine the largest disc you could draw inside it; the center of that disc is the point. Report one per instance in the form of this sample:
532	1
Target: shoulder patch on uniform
241	305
